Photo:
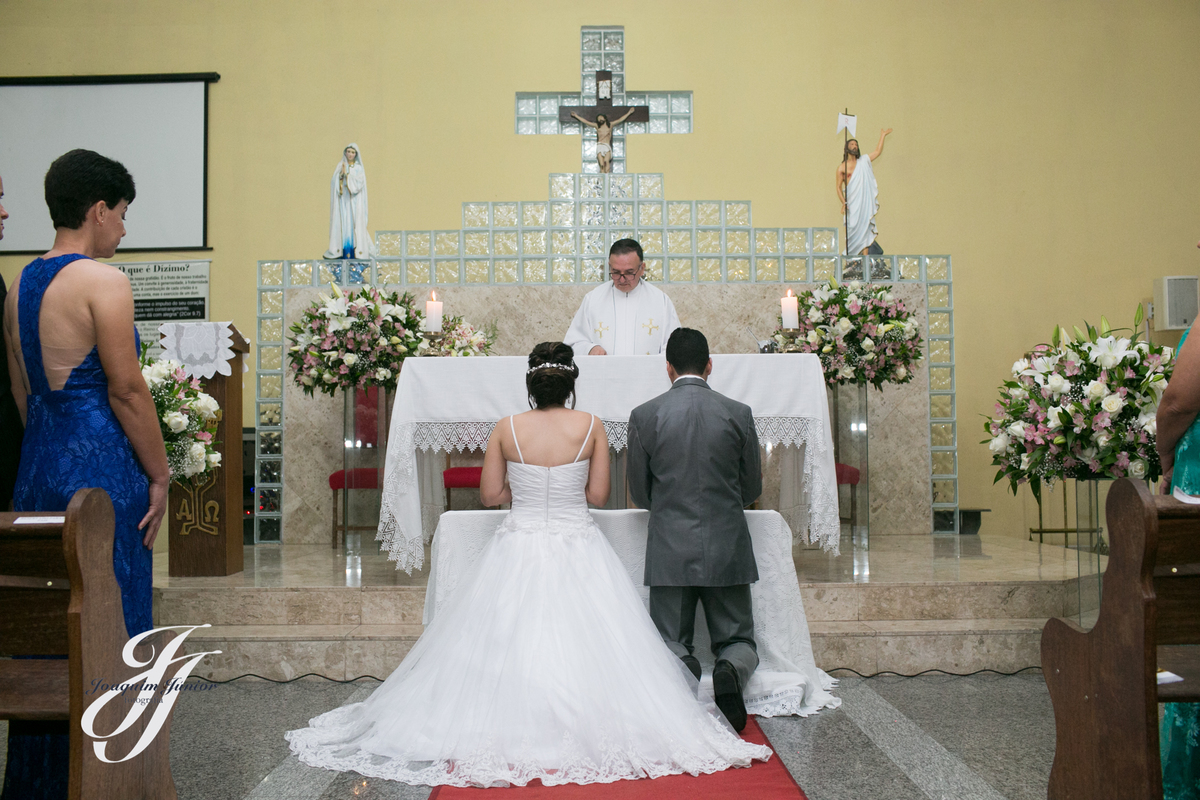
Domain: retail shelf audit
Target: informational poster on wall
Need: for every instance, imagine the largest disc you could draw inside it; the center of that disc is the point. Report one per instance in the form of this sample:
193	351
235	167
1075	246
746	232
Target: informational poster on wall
167	291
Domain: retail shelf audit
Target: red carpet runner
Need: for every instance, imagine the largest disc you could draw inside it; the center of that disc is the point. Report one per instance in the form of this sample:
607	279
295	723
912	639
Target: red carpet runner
769	781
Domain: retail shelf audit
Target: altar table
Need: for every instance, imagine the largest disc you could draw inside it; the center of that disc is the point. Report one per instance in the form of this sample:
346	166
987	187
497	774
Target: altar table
453	403
787	680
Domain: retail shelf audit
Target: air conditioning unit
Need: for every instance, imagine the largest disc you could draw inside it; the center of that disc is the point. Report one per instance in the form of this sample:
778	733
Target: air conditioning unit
1176	302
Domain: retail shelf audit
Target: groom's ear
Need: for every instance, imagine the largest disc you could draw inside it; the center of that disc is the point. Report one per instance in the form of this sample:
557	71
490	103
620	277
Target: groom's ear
708	369
671	373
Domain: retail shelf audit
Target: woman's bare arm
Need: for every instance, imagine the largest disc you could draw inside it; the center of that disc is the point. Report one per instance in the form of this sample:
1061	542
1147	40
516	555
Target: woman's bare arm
111	305
15	374
493	484
598	485
1180	404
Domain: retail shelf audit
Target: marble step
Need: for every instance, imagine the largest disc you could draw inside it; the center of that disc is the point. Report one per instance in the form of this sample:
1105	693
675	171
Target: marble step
344	652
823	602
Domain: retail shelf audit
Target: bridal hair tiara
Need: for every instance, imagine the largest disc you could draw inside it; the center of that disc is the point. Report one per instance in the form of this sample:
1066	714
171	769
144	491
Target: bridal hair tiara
551	365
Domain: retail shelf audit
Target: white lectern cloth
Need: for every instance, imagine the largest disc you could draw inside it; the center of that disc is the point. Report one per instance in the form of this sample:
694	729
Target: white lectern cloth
204	348
787	680
453	403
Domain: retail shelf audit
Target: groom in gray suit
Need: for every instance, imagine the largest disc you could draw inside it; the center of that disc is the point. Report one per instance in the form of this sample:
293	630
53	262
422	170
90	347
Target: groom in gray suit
694	462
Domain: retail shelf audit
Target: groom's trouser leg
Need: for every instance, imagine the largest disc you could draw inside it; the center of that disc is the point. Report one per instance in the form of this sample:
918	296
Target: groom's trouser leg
731	627
673	609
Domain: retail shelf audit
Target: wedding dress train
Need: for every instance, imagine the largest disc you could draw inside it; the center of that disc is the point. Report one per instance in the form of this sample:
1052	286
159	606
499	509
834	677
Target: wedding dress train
543	664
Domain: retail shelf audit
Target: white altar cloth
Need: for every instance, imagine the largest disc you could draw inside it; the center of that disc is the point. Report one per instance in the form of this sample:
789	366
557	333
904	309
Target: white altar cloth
787	680
453	404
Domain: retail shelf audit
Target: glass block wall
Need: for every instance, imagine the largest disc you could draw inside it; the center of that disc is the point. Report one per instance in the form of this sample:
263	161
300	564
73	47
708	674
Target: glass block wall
602	48
564	239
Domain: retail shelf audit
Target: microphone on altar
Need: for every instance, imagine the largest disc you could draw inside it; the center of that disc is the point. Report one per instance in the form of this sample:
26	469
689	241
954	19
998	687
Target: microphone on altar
763	345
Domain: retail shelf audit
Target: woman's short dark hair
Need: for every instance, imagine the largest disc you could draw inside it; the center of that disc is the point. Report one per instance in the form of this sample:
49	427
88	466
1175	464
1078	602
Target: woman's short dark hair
551	376
78	180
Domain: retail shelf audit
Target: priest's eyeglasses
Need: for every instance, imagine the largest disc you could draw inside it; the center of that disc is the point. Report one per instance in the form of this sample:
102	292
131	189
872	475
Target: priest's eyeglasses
624	275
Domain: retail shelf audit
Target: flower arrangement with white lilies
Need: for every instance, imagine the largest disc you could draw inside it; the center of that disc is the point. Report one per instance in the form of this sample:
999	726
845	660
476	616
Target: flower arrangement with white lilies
460	339
188	418
353	340
1081	408
860	331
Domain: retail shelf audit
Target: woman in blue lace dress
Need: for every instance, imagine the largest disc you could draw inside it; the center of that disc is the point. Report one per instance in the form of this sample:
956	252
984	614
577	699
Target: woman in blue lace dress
1178	442
89	419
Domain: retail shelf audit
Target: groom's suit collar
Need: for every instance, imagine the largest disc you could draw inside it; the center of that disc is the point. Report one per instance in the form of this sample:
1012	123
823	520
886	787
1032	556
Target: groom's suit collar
690	380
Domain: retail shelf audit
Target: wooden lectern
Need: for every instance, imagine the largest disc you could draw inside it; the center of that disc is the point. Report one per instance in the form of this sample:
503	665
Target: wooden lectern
205	518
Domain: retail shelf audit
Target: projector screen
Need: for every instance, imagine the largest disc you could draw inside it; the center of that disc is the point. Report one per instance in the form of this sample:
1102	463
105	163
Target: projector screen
156	125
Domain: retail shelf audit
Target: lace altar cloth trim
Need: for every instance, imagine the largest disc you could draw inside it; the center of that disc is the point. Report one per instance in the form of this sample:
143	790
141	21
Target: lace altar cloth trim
787	680
204	348
818	522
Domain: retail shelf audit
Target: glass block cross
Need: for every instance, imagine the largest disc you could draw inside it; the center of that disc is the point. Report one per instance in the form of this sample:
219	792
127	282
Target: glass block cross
602	49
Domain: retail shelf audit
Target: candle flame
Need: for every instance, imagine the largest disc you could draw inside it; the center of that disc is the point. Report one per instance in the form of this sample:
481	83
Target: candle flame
433	295
789	294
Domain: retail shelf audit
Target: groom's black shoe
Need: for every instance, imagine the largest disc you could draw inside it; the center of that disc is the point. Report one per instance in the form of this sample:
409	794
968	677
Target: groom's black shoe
728	690
693	665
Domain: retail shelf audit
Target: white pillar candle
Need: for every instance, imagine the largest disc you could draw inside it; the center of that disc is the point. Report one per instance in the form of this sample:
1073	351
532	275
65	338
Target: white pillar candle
791	310
433	314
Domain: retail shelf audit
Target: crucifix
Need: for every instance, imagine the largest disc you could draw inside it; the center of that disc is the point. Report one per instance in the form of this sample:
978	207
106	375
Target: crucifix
604	116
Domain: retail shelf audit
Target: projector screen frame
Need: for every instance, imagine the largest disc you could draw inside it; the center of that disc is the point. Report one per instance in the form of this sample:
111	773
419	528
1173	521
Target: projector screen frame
207	78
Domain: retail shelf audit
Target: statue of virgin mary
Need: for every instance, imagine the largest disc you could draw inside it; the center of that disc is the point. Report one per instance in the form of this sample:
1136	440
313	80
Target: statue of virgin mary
348	237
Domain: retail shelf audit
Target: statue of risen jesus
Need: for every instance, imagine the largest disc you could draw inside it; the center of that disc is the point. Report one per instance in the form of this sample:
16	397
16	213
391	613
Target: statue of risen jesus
859	195
604	130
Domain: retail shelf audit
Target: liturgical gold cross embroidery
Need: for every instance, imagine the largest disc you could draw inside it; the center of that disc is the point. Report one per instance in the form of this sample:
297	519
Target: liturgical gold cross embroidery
650	326
600	329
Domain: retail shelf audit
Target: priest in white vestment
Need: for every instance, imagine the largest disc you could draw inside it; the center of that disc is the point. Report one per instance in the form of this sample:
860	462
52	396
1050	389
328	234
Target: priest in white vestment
625	316
860	203
348	236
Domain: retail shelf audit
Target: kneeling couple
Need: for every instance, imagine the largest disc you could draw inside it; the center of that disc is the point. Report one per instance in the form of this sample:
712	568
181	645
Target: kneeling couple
543	663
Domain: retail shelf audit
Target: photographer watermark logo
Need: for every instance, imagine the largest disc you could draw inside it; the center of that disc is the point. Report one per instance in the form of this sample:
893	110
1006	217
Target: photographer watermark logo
147	684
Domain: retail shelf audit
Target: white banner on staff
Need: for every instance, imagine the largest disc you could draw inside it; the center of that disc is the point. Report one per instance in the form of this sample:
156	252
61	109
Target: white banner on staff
167	291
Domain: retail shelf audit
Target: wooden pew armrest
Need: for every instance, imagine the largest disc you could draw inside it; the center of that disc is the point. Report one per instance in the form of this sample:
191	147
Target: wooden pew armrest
35	689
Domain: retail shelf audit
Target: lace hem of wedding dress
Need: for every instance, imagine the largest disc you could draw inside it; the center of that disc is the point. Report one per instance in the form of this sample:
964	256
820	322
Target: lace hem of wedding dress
819	523
316	746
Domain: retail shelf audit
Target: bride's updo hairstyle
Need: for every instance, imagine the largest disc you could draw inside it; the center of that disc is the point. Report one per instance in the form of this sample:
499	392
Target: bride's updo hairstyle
551	376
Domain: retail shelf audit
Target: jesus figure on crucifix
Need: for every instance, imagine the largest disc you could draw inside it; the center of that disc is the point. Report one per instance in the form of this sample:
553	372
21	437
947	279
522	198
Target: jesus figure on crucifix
604	132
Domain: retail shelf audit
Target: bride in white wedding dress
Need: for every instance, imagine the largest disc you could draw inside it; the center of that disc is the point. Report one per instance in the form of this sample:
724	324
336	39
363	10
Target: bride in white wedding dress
544	663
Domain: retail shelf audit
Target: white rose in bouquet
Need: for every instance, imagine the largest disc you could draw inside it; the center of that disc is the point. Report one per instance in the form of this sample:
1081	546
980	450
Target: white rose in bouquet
813	337
815	315
1113	404
206	406
1147	422
1026	459
1057	384
1053	420
868	345
846	372
214	459
350	359
382	374
1137	469
1096	390
1019	367
1103	439
175	421
901	373
844	325
196	460
999	443
1017	429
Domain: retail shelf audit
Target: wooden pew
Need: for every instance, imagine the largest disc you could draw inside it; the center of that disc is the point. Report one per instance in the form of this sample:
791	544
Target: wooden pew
58	596
1103	682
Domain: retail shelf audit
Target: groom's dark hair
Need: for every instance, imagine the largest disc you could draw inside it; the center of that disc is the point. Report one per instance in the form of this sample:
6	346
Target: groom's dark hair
687	351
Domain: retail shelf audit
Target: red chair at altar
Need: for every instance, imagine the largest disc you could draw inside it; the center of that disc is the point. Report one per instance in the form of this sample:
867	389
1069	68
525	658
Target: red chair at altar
849	476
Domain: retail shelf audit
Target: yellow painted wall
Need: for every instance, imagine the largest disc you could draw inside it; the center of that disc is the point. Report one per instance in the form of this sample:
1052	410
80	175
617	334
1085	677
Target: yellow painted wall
1048	146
